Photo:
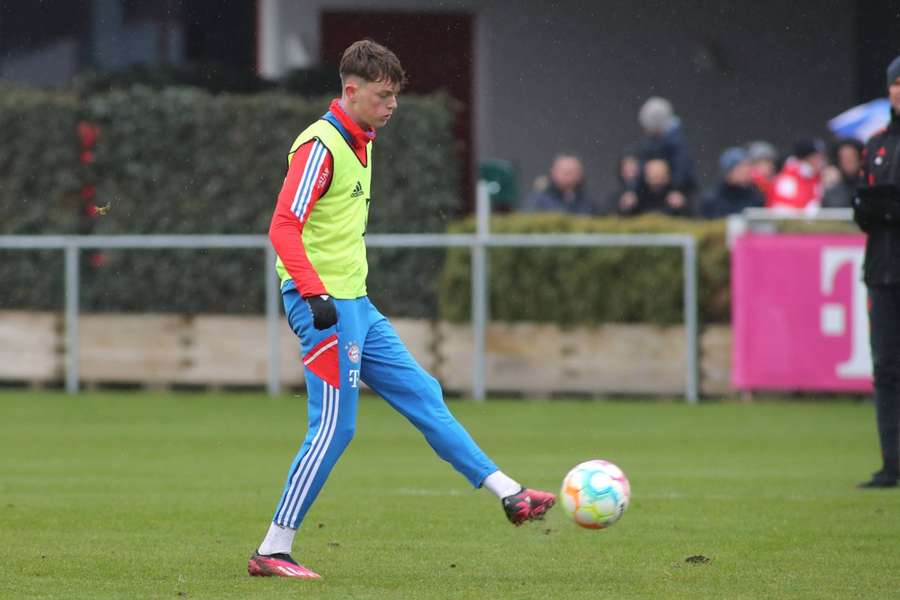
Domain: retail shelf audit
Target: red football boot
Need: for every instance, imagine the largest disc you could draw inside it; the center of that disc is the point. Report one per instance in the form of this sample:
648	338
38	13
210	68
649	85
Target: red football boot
278	565
527	505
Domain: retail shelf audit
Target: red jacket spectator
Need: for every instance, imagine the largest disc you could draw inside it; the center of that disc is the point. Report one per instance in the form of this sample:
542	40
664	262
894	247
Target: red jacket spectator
799	184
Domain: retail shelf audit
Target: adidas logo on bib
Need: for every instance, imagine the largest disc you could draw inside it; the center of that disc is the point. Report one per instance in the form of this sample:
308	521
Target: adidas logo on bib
357	191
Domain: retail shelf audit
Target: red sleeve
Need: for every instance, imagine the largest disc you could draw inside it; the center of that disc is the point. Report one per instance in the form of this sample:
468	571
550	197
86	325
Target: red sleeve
771	196
308	177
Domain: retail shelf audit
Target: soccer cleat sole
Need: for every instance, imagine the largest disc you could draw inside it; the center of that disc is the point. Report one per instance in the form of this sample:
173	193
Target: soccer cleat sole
263	567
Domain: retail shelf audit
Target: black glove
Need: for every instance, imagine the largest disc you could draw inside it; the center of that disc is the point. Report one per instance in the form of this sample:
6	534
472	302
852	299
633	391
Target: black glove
877	205
323	310
862	218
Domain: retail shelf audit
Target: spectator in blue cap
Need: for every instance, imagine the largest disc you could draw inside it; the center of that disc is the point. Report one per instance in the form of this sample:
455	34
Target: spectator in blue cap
735	191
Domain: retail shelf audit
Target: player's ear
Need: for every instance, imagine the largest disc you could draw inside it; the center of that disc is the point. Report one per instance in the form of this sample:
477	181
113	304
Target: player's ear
351	87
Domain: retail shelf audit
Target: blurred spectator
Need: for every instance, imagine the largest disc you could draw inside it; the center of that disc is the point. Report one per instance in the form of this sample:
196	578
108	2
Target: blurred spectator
840	180
735	191
563	191
628	179
664	137
798	185
654	193
762	165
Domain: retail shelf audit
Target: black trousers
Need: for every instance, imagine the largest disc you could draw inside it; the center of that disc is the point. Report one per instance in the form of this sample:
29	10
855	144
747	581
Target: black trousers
884	319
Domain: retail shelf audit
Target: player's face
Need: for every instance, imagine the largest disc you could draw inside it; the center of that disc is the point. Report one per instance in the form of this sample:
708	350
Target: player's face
374	102
894	94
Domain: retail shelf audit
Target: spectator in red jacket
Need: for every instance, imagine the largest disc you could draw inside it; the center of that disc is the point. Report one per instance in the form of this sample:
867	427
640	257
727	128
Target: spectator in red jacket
799	184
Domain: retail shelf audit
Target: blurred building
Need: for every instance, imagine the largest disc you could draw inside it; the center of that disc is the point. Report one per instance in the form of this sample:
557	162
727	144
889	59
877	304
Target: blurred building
532	78
48	42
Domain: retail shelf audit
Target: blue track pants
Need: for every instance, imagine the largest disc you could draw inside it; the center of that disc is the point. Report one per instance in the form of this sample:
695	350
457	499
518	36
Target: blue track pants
363	346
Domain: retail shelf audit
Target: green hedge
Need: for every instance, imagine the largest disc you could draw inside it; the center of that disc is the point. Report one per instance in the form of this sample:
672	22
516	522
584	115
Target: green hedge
40	178
591	285
179	160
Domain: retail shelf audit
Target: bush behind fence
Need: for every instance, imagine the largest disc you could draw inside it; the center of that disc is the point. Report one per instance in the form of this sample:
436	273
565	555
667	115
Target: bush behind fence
591	285
181	161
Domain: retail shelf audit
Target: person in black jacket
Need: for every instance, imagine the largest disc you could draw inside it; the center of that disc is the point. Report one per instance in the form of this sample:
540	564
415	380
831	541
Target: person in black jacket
876	208
654	193
736	191
842	177
628	180
563	191
664	137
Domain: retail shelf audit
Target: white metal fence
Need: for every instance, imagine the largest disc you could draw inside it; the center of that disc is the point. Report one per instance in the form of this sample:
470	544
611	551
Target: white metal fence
478	243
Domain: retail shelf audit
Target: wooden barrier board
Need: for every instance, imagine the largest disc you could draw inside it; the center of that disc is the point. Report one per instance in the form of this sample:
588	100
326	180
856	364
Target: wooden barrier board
223	350
31	346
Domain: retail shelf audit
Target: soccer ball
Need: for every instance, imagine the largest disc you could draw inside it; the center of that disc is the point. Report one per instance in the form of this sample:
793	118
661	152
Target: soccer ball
595	494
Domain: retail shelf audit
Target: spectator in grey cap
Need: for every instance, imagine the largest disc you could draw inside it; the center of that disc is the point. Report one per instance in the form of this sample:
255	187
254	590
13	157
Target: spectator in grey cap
664	137
763	159
735	191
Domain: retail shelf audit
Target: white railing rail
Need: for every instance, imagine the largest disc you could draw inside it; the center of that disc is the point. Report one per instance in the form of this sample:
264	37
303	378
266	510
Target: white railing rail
764	219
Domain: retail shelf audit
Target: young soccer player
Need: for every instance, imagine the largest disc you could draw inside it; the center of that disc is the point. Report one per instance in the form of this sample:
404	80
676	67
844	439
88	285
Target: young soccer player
318	231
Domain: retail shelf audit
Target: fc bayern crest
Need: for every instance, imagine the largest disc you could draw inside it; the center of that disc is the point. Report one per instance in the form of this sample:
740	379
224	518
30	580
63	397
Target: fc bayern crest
353	352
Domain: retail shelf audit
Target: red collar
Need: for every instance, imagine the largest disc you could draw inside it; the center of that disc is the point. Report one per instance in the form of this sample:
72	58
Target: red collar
360	136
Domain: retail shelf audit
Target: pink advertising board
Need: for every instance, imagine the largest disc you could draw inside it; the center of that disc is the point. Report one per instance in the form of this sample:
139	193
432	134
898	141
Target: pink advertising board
799	317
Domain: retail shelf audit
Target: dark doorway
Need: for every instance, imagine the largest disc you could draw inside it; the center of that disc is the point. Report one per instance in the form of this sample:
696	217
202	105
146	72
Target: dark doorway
436	52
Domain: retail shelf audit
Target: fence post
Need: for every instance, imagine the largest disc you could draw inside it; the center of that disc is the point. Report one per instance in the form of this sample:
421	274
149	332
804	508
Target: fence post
691	391
273	374
71	319
480	289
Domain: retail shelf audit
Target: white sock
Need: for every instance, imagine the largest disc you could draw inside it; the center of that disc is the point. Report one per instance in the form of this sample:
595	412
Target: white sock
279	540
501	485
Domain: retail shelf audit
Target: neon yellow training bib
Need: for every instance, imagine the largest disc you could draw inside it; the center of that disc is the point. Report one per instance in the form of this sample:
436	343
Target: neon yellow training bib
334	232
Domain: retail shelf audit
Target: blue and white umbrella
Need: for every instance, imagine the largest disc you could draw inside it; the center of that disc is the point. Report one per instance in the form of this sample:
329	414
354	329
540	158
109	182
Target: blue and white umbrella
862	121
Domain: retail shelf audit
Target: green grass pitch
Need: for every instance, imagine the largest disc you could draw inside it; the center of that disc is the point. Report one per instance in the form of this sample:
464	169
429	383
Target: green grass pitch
132	495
